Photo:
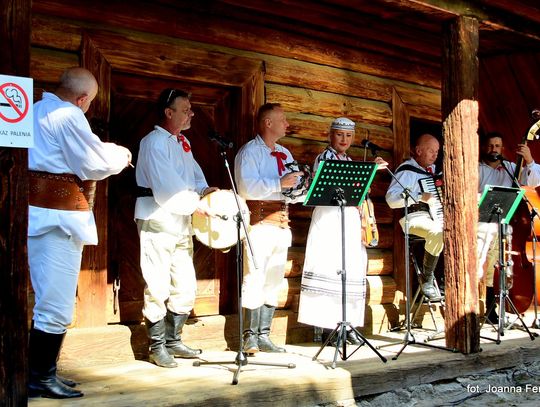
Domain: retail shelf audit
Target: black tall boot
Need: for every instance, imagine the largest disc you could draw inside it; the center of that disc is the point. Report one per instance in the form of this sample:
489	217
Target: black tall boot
158	353
490	300
63	380
251	330
265	322
428	288
44	349
173	341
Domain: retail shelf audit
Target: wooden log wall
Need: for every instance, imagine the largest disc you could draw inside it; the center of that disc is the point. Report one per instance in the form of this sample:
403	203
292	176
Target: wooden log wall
313	80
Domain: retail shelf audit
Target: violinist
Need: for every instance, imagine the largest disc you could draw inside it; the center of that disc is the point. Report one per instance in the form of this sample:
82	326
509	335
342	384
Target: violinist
320	295
495	170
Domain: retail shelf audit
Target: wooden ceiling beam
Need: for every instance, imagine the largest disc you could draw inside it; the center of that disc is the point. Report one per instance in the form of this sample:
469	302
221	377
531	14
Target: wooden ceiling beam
349	26
503	17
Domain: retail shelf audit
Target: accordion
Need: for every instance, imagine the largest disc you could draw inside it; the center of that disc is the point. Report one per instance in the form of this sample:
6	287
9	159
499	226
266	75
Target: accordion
433	185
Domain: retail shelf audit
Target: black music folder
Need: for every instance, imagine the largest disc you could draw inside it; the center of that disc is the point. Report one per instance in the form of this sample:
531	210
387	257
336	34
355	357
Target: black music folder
493	198
352	177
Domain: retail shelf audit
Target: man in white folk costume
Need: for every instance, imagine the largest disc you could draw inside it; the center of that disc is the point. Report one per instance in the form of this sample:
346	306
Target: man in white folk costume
496	171
421	223
262	177
64	165
170	185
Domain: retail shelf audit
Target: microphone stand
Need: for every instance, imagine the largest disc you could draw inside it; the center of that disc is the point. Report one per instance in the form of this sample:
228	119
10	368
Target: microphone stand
241	356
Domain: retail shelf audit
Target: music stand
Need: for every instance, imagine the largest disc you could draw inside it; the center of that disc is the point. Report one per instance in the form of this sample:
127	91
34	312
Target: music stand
342	183
498	205
241	357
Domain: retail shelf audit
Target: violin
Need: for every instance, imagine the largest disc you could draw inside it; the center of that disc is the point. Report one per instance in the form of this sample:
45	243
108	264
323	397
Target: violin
370	232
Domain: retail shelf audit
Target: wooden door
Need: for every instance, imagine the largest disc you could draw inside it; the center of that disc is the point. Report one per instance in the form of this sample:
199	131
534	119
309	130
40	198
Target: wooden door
131	72
132	117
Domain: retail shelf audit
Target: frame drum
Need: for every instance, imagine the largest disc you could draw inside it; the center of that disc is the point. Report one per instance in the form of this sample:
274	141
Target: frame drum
220	232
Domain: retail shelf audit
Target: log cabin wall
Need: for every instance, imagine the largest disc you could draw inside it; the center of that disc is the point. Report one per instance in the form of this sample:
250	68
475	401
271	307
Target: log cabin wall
314	87
315	76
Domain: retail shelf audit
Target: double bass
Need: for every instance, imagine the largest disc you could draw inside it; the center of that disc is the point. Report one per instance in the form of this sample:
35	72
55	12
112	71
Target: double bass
521	287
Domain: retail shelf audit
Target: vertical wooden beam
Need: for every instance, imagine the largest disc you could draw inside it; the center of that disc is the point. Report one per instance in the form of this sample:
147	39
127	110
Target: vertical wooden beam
15	60
460	167
244	114
92	286
401	129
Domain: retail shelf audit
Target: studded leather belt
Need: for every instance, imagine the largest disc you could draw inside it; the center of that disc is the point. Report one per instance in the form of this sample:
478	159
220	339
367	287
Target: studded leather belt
271	212
61	191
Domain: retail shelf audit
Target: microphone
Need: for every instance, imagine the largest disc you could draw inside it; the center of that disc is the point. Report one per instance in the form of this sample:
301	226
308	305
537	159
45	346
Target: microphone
372	146
221	141
496	157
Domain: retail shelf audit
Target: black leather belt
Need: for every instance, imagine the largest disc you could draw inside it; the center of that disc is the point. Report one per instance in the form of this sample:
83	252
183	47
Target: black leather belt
419	207
142	192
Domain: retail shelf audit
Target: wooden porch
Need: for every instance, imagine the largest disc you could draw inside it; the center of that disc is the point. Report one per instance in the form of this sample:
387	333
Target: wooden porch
133	382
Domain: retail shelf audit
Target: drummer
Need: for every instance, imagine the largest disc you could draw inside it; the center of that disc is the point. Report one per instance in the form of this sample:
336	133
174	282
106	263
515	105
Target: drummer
170	184
261	176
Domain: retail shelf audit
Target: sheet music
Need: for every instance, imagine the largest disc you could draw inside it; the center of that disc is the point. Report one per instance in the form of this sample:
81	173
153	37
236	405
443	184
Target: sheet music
435	205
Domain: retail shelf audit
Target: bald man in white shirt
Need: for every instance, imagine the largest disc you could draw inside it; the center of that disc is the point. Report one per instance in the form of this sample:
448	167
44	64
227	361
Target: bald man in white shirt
420	222
64	165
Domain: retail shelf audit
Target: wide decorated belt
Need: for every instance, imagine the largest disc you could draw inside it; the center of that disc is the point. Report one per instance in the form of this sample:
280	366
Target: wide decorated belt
61	191
270	212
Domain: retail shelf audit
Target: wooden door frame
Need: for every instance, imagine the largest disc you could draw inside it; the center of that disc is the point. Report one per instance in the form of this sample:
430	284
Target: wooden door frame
402	135
101	53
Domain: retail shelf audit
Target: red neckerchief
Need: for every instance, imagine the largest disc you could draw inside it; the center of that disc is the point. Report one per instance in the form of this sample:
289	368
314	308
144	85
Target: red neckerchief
279	160
185	145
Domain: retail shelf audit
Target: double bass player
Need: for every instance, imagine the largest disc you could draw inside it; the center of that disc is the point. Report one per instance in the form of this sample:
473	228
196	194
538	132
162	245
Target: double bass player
495	170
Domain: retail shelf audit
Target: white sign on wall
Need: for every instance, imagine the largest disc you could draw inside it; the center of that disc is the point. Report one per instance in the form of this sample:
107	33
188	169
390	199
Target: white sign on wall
16	112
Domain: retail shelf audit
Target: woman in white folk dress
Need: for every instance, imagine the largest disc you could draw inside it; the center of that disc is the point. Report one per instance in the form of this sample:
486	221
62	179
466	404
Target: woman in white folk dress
320	296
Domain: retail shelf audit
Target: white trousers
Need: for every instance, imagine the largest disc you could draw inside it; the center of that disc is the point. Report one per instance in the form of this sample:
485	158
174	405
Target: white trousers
55	261
421	224
261	285
167	269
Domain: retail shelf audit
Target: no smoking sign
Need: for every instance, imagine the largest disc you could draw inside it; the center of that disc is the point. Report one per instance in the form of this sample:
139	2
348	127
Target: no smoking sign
13	103
16	113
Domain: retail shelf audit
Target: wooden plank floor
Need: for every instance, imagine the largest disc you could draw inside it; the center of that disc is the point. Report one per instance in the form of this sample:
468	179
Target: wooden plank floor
139	383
